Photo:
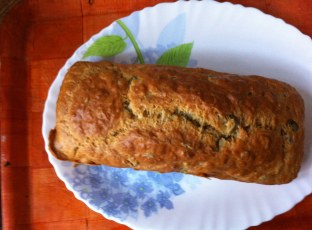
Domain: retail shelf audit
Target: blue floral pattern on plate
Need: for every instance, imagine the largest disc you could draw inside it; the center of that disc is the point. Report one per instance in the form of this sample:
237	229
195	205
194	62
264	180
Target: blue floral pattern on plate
123	192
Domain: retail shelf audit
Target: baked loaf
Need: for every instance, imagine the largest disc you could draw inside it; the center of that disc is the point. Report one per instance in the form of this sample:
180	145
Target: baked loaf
174	119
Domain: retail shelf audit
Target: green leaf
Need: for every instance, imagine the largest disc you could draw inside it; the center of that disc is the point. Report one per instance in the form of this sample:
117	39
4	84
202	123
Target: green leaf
107	46
177	56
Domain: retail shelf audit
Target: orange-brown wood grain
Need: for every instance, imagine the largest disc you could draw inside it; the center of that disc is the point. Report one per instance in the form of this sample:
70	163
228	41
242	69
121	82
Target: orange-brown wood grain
36	38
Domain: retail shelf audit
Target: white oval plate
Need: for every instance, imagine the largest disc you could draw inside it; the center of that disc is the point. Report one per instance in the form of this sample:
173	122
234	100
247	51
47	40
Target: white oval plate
225	37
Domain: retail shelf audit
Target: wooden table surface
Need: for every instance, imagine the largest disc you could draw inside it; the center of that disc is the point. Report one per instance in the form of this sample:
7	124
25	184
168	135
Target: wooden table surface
36	38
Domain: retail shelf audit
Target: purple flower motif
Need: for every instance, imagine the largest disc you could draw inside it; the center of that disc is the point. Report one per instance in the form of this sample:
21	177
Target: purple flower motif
94	181
160	178
163	200
176	176
149	207
125	205
151	54
142	188
176	189
111	209
165	179
129	203
119	178
97	170
98	197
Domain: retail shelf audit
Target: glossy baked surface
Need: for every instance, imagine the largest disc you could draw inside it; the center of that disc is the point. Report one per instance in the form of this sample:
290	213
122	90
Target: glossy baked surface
175	119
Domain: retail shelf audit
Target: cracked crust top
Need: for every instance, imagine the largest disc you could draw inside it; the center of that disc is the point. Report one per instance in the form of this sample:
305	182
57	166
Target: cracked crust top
174	119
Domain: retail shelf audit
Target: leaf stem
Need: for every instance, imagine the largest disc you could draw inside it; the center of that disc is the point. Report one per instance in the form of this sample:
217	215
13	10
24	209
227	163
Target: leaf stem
133	41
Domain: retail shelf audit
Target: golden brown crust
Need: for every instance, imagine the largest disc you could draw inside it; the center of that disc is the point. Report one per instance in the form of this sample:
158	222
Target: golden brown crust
166	119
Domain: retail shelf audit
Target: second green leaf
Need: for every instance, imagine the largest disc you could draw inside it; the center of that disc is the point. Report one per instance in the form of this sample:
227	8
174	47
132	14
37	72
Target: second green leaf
106	46
176	56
